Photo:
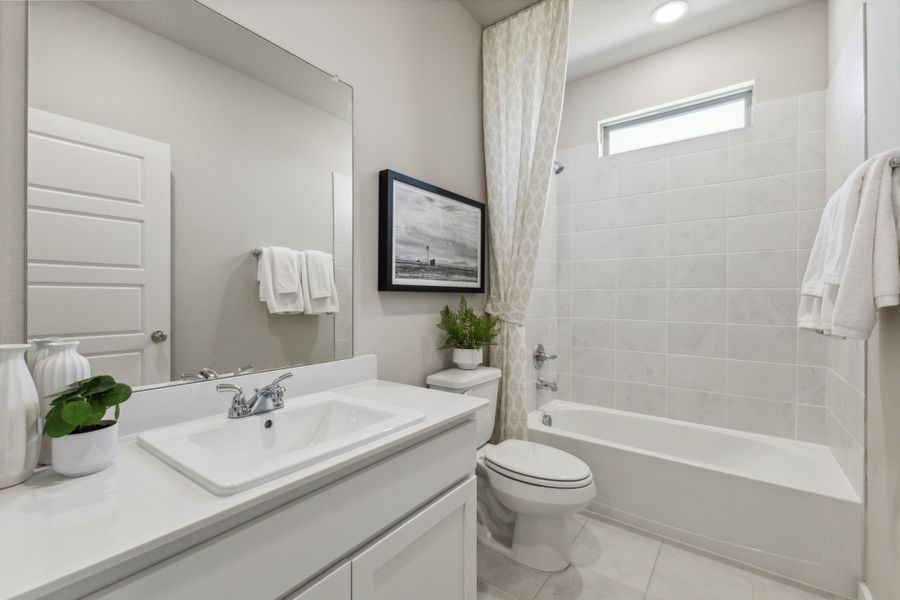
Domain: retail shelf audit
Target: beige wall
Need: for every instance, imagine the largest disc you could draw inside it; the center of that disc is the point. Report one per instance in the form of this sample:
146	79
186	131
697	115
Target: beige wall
785	53
242	153
882	560
415	68
12	171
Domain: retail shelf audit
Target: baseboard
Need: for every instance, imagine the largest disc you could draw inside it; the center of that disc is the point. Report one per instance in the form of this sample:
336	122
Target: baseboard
864	592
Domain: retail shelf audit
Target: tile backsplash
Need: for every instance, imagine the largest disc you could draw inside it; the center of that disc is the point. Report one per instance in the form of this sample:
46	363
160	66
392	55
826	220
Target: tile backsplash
678	270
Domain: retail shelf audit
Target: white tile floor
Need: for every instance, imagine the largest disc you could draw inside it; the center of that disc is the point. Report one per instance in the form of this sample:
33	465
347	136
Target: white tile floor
610	562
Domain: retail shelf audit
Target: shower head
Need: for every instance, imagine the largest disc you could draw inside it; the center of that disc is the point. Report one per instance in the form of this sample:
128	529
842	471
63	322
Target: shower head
558	167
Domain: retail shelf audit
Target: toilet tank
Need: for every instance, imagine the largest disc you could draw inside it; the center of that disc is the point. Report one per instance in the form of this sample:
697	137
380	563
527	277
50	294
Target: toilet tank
483	382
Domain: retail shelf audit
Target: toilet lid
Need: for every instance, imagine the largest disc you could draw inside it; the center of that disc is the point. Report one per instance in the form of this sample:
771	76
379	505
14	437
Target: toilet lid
537	463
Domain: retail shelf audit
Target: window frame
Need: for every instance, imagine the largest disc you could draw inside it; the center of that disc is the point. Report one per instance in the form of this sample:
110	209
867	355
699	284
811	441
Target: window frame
673	109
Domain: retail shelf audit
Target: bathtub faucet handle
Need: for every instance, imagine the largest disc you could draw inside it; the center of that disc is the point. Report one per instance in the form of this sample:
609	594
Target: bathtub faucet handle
541	356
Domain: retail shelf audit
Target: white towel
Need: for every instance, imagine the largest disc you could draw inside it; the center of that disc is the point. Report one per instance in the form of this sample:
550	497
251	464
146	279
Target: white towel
853	267
285	271
279	269
317	278
321	273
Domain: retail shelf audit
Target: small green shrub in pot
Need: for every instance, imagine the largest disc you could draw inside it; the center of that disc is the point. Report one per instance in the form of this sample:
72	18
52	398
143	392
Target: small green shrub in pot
83	442
467	334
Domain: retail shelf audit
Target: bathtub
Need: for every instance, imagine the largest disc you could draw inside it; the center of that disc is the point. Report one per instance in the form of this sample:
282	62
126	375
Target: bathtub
779	505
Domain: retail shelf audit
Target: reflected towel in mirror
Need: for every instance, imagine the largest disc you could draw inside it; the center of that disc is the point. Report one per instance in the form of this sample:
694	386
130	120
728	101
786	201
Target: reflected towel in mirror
278	273
319	289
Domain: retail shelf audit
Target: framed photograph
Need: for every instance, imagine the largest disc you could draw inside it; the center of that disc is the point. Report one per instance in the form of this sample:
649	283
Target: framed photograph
429	239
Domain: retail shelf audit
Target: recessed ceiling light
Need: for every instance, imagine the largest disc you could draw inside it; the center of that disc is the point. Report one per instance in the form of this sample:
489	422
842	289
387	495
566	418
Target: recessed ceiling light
669	12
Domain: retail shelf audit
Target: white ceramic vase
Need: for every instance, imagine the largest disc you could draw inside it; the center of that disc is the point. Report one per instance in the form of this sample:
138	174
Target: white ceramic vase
80	454
53	373
38	351
20	424
465	358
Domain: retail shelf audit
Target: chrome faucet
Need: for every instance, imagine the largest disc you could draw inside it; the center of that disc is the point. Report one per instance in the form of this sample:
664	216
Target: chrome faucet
540	356
205	374
546	385
265	399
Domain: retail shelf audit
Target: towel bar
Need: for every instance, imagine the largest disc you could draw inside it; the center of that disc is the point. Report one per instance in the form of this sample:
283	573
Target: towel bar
257	252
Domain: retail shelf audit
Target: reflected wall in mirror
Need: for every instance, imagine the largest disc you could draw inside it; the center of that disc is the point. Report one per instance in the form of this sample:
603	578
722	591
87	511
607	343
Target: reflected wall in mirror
165	144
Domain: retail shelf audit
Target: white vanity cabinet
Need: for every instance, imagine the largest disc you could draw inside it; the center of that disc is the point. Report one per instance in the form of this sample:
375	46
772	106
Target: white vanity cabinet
402	528
430	555
335	585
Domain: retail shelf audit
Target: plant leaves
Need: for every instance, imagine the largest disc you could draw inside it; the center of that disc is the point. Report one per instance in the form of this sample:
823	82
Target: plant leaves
55	426
65	396
465	329
98	411
115	395
96	385
75	411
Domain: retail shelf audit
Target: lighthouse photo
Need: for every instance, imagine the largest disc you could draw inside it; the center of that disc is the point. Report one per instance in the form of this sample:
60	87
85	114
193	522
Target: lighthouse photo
436	238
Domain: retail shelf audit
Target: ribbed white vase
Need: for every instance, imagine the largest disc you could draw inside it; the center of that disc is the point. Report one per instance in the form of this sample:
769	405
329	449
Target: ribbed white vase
38	351
20	425
53	373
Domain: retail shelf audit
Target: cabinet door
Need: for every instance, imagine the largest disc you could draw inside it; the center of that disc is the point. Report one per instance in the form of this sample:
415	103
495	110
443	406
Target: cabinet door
430	555
332	586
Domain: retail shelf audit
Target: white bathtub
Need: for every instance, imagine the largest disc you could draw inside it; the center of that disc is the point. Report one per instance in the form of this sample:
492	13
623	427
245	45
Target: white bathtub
779	505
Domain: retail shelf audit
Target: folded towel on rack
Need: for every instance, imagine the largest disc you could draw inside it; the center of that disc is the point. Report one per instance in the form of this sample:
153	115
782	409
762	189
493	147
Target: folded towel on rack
278	273
317	277
853	267
321	274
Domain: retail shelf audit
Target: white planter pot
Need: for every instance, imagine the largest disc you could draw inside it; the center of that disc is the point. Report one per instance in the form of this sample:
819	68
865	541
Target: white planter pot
467	359
20	438
53	373
80	454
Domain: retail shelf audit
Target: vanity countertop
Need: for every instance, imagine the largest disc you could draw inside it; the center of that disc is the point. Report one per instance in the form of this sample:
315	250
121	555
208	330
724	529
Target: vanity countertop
58	531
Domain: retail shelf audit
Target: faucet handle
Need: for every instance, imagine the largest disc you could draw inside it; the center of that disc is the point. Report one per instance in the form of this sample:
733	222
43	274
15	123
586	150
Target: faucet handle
230	387
282	377
239	406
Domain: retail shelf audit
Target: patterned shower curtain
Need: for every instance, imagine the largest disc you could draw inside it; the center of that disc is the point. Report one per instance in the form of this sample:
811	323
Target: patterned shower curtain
524	62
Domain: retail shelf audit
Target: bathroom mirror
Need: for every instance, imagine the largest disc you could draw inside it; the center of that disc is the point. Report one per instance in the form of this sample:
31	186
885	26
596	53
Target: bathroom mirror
167	143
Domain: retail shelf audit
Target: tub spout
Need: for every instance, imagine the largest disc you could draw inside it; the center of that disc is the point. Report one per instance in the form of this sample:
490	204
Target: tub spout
546	385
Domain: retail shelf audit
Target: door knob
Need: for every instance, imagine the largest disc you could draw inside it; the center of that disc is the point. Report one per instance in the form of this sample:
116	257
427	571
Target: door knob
159	336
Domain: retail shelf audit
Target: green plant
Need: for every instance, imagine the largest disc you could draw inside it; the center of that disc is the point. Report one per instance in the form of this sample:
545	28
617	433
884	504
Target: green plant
81	406
467	330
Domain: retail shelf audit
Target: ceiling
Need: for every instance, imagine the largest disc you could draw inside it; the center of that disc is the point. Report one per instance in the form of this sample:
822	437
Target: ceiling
606	33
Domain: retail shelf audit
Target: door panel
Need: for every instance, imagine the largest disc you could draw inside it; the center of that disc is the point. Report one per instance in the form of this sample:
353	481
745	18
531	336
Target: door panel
431	555
99	244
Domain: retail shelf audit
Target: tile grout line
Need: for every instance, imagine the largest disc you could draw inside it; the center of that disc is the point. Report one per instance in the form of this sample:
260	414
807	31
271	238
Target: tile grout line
653	570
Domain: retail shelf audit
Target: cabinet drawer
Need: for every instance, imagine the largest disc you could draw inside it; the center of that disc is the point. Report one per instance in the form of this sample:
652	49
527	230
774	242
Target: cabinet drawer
267	557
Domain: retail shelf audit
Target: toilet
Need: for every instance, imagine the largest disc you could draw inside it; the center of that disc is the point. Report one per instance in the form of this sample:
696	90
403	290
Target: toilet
526	490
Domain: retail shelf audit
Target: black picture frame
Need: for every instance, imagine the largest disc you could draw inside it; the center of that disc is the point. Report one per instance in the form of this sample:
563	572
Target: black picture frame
422	273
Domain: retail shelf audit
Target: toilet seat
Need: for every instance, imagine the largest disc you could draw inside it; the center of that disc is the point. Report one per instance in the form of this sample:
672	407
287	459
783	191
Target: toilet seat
537	464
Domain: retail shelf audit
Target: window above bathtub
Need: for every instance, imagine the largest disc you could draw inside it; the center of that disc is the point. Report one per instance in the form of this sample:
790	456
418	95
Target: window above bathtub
714	112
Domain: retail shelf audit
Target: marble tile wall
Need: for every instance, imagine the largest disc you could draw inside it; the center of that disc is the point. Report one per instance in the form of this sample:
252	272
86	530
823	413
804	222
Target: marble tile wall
543	311
845	359
678	275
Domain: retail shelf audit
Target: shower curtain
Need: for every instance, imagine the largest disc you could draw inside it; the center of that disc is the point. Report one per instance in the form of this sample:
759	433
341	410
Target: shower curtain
524	62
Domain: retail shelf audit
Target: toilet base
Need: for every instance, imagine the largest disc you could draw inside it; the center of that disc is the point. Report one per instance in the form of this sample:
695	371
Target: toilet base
539	543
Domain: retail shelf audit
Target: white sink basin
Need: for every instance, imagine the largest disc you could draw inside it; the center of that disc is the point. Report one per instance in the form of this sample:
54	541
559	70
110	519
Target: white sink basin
227	456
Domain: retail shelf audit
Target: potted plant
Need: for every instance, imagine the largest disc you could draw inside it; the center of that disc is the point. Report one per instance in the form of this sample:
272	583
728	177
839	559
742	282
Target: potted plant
467	334
83	442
